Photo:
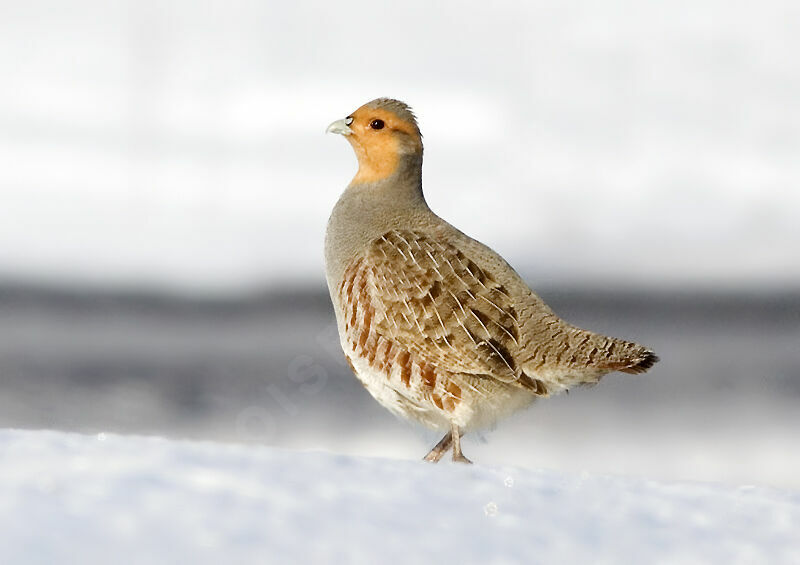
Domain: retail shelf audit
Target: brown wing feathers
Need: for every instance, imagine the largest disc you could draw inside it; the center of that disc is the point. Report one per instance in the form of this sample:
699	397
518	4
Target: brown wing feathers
439	304
426	297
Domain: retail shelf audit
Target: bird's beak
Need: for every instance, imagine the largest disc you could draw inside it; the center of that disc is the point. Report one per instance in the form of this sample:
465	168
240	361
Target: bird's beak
339	126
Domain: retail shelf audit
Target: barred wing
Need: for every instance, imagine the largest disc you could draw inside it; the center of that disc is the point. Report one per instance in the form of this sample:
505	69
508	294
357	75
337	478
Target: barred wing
432	300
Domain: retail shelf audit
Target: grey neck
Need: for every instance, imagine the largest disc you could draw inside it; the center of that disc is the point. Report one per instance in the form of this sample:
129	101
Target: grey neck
365	211
404	186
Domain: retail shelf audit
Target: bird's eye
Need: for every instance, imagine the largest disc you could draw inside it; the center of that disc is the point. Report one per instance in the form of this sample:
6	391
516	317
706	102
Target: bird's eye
348	120
376	124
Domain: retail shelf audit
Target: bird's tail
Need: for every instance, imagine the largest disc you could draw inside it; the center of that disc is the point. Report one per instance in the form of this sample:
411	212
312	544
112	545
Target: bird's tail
582	357
624	356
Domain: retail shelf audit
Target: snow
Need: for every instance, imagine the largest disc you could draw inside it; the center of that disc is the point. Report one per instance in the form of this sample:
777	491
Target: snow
131	499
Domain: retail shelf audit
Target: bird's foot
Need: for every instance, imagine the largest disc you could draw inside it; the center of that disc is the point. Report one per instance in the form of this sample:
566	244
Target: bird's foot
435	454
458	457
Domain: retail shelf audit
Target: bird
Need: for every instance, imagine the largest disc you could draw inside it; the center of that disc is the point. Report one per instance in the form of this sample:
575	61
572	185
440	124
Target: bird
437	326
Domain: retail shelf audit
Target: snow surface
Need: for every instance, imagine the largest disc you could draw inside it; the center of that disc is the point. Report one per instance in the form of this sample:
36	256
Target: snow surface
109	498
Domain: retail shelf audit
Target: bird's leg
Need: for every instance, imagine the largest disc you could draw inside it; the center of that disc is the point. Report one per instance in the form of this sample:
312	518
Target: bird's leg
457	455
440	448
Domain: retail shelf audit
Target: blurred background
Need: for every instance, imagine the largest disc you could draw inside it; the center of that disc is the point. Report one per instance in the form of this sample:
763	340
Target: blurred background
165	184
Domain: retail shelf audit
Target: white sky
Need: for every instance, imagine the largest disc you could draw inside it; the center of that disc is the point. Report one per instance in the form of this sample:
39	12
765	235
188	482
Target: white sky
180	144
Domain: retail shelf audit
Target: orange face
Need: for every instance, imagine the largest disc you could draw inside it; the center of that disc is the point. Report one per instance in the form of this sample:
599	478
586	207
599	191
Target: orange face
380	139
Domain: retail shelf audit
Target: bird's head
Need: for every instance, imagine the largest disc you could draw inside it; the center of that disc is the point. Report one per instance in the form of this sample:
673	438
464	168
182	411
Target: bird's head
385	137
